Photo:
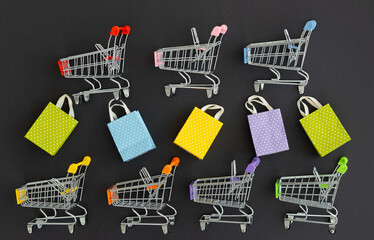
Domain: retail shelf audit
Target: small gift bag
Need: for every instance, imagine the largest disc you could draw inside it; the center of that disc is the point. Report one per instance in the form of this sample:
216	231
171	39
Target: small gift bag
199	131
322	126
267	129
53	126
129	133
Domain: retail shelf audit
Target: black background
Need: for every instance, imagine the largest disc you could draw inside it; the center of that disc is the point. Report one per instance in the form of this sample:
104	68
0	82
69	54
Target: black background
35	34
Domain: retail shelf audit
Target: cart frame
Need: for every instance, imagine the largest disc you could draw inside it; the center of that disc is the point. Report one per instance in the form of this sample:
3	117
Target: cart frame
103	63
230	191
56	194
197	59
318	191
146	193
286	54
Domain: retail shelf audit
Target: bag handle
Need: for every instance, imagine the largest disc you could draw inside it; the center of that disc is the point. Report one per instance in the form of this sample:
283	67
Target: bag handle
60	103
214	106
311	100
112	115
258	99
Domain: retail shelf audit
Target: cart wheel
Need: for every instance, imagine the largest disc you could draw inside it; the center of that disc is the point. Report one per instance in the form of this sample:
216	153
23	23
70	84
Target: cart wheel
203	225
165	228
262	85
82	220
39	225
209	93
215	90
116	95
77	99
29	228
257	87
250	220
173	90
123	228
86	97
243	227
126	92
172	221
71	228
332	229
301	89
167	91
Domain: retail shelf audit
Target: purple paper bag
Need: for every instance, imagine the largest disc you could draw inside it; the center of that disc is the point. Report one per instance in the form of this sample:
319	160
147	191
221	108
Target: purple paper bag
267	129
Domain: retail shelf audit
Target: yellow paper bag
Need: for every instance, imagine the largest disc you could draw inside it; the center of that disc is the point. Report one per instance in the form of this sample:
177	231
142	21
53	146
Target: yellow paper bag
199	131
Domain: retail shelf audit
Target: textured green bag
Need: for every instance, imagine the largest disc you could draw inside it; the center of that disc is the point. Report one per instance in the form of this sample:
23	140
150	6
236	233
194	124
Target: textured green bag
322	126
53	126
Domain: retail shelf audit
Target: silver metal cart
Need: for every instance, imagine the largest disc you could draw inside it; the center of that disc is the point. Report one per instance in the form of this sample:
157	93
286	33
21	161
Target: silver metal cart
56	194
103	63
197	58
288	54
231	191
318	191
146	193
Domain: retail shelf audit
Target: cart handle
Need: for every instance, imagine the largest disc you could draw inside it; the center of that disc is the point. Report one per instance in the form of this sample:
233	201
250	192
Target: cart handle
310	25
175	162
223	28
216	31
115	30
252	166
74	167
342	165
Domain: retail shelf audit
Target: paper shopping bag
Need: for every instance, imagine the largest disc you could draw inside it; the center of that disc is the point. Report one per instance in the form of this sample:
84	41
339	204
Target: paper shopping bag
322	126
129	133
267	128
53	126
199	131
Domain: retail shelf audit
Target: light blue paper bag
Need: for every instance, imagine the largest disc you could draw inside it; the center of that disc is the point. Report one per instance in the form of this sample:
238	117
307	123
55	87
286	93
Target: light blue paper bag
129	133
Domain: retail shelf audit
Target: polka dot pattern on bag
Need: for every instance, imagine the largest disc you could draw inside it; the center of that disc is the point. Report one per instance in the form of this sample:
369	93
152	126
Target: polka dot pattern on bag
51	129
325	130
131	136
268	133
198	133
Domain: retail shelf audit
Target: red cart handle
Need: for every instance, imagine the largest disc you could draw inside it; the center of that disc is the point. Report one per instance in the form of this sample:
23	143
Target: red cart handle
115	30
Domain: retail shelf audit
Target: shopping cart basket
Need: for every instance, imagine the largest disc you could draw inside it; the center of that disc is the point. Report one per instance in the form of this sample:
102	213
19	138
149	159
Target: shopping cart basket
197	58
56	194
315	190
103	63
146	193
286	54
231	191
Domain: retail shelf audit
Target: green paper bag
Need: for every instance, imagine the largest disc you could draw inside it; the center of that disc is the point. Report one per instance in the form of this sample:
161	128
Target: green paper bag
322	126
53	126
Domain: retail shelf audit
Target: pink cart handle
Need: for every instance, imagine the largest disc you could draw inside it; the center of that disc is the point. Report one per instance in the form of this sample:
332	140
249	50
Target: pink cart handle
223	28
216	31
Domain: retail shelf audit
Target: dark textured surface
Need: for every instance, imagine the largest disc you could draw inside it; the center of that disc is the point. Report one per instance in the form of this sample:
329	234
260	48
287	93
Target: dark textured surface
35	34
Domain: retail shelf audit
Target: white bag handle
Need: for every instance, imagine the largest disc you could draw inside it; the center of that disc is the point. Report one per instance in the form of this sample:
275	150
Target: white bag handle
60	103
258	99
112	115
214	106
311	100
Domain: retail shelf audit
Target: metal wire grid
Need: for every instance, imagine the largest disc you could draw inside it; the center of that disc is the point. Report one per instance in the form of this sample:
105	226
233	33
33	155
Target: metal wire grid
225	191
137	194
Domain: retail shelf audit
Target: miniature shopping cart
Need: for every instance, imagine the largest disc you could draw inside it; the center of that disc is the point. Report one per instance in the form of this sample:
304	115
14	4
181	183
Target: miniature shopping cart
146	193
197	58
231	191
315	190
56	194
288	54
103	63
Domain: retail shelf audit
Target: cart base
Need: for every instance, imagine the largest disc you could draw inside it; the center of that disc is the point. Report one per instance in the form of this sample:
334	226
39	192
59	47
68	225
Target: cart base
85	95
329	219
138	220
56	220
211	88
259	84
205	220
